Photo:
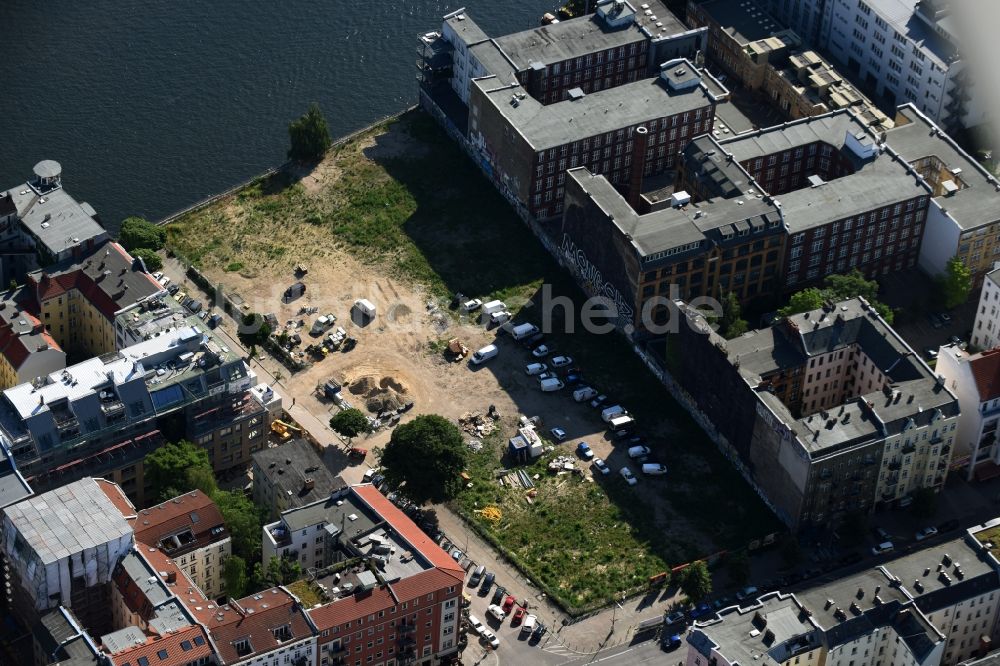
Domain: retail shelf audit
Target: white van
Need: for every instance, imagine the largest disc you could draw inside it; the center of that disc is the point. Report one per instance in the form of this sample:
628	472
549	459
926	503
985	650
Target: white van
493	306
654	469
551	384
522	331
612	412
365	307
485	354
584	393
622	421
497	318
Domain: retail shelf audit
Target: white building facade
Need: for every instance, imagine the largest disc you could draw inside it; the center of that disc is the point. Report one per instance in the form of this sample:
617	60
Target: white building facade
986	330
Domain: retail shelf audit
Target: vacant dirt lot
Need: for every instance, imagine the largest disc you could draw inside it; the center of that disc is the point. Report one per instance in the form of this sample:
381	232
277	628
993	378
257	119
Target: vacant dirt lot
399	217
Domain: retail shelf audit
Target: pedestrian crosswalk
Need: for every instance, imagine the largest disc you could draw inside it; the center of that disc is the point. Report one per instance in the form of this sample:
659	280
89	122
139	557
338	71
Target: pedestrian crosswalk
559	649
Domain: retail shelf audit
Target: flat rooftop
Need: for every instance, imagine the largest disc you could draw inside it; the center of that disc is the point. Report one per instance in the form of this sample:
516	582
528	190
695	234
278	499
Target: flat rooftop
68	520
551	125
744	21
56	219
901	16
289	465
975	205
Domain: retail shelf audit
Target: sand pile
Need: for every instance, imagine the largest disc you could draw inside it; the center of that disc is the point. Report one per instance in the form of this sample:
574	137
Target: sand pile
380	395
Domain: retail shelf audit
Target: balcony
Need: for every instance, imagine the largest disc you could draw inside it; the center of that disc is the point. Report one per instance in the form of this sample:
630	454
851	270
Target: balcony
908	449
895	465
407	628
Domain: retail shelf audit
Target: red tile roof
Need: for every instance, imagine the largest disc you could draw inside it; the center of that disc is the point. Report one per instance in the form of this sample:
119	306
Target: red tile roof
985	369
408	530
262	614
117	497
352	608
424	583
180	647
194	510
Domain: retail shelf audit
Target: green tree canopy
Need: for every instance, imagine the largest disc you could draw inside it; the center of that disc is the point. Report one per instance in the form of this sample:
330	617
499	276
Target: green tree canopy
732	324
696	581
425	457
955	283
243	520
837	288
136	232
350	422
152	260
168	468
279	571
234	575
310	135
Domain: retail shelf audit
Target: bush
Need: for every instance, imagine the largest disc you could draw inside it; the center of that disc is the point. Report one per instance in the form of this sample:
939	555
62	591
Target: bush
310	135
136	232
152	260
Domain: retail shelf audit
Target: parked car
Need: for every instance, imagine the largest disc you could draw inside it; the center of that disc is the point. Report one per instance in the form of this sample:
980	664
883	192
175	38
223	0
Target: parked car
477	576
547	375
518	614
638	451
357	452
539	631
654	469
598	401
484	354
560	361
497	612
553	384
573	378
173	289
584	451
602	466
881	534
926	533
490	638
931	353
670	642
628	476
472	305
882	548
747	593
157	275
675	618
498	595
558	434
945	317
541	351
533	341
508	603
700	610
535	369
475	624
487	583
529	624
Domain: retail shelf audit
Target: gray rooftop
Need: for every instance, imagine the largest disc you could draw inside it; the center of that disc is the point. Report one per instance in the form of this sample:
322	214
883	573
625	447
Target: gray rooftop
144	577
65	521
123	639
13	487
943	574
671	228
900	16
56	219
976	204
286	468
830	128
745	22
346	513
554	43
551	125
495	61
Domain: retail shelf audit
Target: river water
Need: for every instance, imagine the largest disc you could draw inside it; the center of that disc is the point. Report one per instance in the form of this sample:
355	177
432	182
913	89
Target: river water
153	105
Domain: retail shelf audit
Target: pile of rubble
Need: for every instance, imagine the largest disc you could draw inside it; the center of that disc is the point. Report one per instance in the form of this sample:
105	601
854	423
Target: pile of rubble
477	424
563	465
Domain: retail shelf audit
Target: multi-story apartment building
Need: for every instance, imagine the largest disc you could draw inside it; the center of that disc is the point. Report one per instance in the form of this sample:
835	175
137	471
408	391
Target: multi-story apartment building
27	348
411	614
963	219
41	224
901	51
102	416
190	529
528	146
79	299
936	606
825	412
986	329
290	476
975	379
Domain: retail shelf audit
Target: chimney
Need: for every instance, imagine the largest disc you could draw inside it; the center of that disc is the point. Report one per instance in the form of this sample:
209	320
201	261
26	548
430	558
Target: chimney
309	484
171	577
640	139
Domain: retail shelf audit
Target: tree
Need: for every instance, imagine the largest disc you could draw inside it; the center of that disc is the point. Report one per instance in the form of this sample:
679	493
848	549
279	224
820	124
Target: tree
350	423
310	136
696	581
152	260
279	571
837	287
803	301
925	503
201	478
738	565
254	331
234	575
168	468
955	283
732	325
424	459
136	232
243	520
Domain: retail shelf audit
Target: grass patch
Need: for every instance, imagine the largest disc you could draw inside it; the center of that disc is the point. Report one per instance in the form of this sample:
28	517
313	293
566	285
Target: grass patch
428	216
234	267
307	593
